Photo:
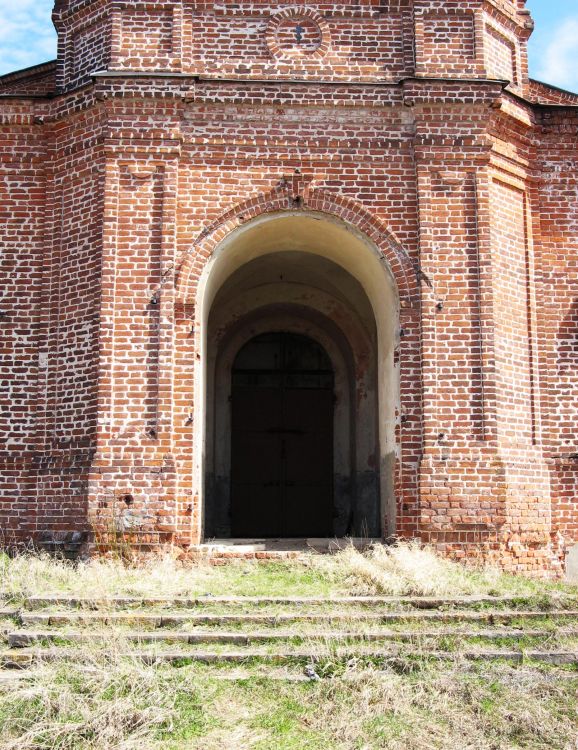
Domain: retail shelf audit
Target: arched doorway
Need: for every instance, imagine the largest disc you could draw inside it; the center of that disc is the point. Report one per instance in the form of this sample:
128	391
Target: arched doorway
314	276
282	438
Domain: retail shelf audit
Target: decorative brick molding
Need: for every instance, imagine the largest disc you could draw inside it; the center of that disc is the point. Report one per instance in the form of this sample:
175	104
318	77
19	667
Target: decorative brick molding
298	32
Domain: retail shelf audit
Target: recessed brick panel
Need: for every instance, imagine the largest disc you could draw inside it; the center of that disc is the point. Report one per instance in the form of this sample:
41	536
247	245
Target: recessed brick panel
448	40
500	53
138	287
511	309
348	44
22	243
457	317
146	38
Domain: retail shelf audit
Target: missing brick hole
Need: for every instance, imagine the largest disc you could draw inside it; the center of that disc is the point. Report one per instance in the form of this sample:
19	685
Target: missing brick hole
128	500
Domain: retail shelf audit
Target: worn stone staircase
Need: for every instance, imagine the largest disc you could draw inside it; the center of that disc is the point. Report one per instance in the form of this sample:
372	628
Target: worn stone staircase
292	631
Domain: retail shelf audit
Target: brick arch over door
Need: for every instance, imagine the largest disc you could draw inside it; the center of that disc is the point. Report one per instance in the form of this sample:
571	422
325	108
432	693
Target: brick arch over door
297	196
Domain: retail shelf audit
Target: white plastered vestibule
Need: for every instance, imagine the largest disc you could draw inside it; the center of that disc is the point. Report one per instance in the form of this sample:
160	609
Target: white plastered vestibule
312	274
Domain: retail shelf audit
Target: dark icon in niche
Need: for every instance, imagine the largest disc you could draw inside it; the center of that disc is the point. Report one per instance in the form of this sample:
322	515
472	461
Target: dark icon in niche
299	33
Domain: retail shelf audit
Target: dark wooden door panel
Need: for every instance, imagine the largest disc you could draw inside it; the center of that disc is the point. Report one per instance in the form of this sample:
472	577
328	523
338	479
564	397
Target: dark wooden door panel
282	440
256	409
256	457
255	512
309	410
308	458
307	510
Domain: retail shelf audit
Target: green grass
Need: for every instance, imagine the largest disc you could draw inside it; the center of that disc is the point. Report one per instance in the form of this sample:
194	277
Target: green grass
26	576
124	705
107	701
404	569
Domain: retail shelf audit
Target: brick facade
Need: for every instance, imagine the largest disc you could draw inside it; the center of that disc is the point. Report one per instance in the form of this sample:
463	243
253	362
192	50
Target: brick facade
164	131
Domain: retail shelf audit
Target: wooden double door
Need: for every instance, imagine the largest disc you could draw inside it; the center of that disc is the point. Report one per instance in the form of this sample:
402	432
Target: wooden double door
282	439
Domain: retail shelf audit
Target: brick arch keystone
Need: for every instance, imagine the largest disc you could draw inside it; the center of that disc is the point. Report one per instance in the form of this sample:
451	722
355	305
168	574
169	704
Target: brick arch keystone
295	193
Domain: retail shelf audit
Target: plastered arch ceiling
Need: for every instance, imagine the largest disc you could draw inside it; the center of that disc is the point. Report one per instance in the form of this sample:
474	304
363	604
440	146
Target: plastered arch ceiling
322	235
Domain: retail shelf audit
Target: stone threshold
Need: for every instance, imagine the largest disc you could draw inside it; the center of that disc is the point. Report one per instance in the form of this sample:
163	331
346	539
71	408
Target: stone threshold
280	546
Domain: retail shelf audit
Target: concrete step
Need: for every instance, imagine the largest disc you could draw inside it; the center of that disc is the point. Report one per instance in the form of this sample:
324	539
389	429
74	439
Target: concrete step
22	659
11	677
417	602
220	551
25	638
169	619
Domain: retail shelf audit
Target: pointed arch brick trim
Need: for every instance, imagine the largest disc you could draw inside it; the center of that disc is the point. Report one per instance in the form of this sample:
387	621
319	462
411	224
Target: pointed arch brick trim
295	195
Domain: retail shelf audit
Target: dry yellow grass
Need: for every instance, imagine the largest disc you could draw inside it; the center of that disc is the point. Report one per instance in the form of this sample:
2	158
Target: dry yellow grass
401	569
411	568
110	701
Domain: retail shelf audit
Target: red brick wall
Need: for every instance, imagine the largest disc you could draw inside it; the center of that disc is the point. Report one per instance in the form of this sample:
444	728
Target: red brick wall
37	81
22	241
52	190
545	94
558	206
84	40
74	267
248	39
117	191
